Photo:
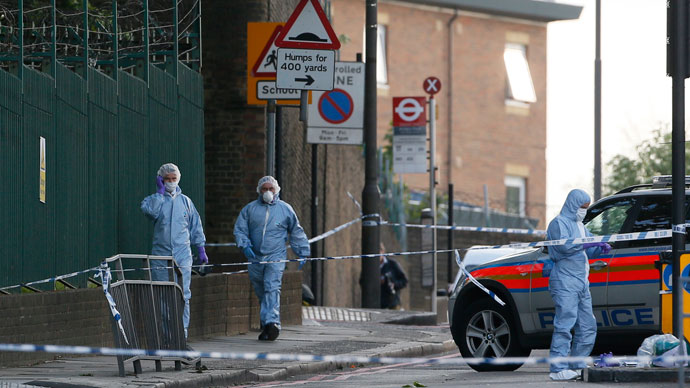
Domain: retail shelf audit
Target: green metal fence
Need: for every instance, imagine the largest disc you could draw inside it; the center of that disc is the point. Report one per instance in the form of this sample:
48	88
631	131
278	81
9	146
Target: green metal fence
105	140
113	89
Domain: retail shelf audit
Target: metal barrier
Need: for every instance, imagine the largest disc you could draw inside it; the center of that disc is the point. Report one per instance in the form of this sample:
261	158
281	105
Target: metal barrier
150	311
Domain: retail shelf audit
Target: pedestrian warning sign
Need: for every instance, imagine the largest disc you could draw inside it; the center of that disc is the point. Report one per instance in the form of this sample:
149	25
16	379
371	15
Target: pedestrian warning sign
266	64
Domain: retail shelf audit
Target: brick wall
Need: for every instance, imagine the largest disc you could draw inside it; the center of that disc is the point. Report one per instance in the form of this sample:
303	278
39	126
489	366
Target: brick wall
220	305
236	147
489	138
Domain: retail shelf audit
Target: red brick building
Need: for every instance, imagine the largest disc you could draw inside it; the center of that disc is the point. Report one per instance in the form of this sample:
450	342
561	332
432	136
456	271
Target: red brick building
490	56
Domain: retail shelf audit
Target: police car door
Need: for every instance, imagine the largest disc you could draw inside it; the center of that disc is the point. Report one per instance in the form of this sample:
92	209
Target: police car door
633	297
608	217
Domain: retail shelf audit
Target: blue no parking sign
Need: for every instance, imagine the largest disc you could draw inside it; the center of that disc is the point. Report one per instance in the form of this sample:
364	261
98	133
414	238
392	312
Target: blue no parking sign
337	116
336	106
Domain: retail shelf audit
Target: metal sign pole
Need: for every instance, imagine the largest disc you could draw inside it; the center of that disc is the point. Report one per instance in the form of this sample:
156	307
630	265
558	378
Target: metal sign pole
271	137
432	192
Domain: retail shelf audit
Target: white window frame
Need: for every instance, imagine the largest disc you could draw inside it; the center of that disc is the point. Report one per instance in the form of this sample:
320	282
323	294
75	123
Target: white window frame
520	87
381	54
519	183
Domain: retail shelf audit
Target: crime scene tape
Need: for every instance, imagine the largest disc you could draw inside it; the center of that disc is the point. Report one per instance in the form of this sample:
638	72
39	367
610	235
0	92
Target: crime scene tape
104	273
536	232
475	281
665	233
52	279
313	239
64	349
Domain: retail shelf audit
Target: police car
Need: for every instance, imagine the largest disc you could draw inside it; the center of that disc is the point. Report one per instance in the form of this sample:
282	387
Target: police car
624	284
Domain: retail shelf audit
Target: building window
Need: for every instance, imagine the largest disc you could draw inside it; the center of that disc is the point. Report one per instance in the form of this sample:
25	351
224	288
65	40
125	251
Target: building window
519	85
515	195
381	55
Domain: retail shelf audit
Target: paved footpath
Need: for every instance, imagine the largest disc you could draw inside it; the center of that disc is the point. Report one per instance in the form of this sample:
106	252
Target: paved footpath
325	331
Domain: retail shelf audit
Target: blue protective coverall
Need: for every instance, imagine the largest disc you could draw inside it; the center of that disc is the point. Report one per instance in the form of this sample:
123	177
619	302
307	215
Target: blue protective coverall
266	228
569	286
176	226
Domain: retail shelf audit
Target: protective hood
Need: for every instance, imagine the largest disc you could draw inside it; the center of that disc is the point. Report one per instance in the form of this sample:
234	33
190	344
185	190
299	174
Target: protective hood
576	198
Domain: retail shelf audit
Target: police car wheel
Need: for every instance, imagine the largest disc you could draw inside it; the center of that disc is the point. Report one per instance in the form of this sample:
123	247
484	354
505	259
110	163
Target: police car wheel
487	330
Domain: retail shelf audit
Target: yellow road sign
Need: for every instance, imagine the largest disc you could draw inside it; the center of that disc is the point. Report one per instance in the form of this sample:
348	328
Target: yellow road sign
262	64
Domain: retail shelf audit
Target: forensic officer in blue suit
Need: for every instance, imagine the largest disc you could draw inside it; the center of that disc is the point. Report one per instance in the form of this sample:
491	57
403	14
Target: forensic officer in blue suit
176	226
262	229
569	287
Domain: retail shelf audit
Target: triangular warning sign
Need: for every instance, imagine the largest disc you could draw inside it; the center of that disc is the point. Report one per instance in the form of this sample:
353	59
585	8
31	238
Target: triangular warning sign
267	63
308	28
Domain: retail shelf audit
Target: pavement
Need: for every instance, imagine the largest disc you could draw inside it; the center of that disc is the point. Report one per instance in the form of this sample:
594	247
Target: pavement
325	331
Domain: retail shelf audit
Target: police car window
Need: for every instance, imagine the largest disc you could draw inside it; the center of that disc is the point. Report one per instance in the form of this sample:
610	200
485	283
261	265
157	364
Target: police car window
655	214
610	217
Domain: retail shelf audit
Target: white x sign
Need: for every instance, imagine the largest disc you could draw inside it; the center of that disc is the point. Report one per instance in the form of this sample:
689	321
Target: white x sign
432	85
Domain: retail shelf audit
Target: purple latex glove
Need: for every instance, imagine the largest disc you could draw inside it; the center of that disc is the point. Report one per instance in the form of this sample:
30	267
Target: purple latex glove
605	248
160	186
202	255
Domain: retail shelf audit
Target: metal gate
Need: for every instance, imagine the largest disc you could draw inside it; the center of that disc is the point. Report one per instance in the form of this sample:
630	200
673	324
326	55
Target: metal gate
150	311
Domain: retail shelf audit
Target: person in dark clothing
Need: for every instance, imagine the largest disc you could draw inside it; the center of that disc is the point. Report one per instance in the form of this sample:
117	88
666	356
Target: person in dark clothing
393	279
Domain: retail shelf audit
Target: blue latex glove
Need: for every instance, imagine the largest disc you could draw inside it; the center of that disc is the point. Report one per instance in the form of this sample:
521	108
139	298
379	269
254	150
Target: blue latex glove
202	255
160	186
249	253
301	262
605	248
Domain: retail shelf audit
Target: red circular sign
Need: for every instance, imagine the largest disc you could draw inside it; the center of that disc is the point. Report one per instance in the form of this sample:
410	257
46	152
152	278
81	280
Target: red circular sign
432	85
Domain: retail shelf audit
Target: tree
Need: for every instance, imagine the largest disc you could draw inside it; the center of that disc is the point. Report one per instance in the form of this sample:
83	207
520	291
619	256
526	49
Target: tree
653	158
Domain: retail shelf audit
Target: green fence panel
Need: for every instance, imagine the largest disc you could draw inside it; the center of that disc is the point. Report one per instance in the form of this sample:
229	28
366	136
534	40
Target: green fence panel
191	135
136	179
39	229
163	121
103	166
104	143
72	191
11	250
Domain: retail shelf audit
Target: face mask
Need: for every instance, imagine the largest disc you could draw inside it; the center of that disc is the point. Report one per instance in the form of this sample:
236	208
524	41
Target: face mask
170	186
581	213
267	197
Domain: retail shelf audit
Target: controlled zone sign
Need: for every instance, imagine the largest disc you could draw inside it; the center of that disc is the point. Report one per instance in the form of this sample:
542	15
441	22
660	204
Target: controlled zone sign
337	116
262	64
308	28
305	69
409	135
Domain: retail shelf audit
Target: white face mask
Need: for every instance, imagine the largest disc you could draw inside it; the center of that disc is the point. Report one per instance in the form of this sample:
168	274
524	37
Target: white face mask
580	215
170	186
267	197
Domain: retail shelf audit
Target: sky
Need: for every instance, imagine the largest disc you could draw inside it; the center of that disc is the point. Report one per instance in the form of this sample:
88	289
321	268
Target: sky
636	94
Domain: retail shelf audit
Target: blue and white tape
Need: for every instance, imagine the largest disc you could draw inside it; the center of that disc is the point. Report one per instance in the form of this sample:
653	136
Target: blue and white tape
535	232
51	280
475	281
104	273
62	349
665	233
313	239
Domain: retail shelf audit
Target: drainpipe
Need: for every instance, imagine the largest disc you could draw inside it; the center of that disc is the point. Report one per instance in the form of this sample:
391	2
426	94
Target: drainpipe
451	33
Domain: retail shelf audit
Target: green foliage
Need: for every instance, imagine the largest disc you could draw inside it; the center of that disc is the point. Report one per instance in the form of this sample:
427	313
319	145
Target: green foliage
653	158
